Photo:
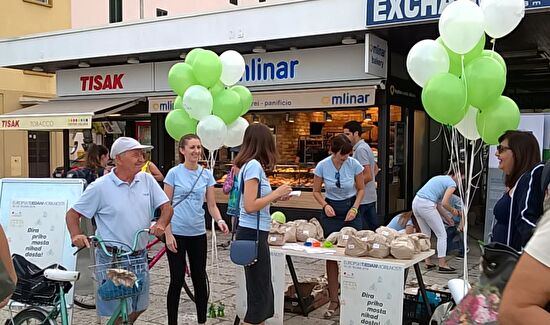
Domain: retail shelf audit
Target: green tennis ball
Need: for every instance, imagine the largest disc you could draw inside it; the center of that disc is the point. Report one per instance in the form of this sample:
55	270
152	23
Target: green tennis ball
279	217
327	244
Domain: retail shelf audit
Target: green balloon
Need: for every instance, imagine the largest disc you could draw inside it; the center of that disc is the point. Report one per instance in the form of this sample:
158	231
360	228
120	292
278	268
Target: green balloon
181	77
455	59
486	80
444	98
207	67
178	102
502	115
495	55
214	90
191	56
178	123
246	97
227	106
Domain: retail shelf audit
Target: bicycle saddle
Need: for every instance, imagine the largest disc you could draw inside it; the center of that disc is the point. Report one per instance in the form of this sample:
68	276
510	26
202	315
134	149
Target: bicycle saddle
61	275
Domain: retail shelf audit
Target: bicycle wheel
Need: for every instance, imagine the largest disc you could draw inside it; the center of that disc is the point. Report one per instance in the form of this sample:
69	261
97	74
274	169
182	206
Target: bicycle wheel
30	317
188	285
85	301
84	290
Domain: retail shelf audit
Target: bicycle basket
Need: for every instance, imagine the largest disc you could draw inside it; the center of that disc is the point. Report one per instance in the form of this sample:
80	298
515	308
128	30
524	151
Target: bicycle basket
122	279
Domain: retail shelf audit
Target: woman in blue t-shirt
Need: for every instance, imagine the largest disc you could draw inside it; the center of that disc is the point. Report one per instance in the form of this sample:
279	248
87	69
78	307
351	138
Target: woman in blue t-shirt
403	223
187	185
344	190
258	152
437	189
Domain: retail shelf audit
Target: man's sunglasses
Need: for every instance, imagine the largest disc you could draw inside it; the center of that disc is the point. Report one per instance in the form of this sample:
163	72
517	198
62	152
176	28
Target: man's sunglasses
337	176
501	148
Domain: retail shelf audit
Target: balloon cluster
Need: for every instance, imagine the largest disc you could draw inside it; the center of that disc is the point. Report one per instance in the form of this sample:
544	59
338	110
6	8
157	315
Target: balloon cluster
463	82
208	102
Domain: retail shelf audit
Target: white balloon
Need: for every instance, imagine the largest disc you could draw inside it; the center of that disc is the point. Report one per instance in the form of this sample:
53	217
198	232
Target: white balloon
198	102
233	67
235	133
467	127
502	16
212	132
426	59
461	26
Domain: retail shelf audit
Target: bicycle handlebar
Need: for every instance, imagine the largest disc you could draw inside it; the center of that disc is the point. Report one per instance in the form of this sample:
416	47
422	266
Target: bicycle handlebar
101	243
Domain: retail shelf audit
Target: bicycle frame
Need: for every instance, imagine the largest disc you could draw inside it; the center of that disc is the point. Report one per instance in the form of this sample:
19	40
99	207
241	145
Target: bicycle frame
158	255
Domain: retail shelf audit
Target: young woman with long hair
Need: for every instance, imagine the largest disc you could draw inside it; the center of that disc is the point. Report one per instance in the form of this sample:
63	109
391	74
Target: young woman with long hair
258	153
187	185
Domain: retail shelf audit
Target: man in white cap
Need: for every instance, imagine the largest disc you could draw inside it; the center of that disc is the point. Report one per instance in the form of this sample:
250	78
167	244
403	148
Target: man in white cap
122	203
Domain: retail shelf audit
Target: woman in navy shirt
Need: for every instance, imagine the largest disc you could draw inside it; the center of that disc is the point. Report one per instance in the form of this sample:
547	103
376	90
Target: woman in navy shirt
519	209
344	190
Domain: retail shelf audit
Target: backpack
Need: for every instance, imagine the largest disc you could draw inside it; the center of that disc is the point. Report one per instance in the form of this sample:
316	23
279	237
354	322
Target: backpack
86	173
233	204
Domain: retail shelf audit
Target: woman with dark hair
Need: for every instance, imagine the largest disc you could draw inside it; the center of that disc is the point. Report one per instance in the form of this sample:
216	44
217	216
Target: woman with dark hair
258	153
187	185
519	209
96	159
344	190
425	208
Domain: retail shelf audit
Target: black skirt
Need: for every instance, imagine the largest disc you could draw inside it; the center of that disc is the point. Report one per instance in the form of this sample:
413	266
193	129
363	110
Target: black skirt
259	289
336	223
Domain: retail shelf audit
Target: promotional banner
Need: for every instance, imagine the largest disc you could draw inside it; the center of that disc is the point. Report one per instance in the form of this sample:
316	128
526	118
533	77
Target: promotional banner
371	293
35	231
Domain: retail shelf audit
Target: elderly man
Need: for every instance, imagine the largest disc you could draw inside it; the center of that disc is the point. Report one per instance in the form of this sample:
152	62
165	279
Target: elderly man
121	203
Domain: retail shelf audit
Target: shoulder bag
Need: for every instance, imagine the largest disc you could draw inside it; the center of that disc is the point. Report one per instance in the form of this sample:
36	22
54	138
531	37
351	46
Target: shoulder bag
6	284
245	252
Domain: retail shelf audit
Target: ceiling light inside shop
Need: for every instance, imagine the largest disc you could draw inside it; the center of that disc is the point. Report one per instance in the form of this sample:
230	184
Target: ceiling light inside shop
348	40
255	118
133	60
289	118
83	64
38	69
328	117
183	55
259	49
368	117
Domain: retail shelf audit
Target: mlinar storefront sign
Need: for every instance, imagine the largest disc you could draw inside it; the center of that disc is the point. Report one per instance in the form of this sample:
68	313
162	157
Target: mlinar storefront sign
395	12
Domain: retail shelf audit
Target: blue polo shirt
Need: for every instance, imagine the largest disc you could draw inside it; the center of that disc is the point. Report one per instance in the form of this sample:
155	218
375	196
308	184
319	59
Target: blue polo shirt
327	171
121	208
188	218
253	170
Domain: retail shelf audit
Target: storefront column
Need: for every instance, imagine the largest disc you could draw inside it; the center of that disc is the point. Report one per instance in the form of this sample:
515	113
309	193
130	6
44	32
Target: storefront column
66	150
383	156
164	152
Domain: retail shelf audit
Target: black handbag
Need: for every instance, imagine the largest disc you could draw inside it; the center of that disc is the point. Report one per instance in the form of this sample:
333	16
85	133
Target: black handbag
245	252
497	264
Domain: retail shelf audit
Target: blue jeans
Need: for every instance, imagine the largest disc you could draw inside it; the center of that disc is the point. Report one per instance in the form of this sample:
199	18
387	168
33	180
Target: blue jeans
454	240
369	217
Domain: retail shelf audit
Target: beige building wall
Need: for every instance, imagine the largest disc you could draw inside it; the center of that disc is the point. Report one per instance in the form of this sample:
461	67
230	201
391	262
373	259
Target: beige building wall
17	18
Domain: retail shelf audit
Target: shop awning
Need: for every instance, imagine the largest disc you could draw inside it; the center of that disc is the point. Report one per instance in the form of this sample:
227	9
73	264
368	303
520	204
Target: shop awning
64	114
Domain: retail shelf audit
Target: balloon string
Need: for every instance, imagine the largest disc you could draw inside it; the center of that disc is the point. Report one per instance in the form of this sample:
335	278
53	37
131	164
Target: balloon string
494	41
465	82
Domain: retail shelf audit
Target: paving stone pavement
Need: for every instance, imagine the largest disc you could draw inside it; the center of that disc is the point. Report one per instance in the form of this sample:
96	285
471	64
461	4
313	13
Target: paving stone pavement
223	289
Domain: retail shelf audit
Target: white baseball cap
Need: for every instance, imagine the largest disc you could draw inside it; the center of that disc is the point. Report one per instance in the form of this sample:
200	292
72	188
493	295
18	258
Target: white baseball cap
124	144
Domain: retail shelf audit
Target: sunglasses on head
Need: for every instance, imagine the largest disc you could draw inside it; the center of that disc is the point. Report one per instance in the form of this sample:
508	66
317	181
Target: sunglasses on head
501	148
337	176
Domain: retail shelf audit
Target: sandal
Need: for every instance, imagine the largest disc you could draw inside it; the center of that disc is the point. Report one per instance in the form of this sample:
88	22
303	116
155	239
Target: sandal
332	311
448	269
430	266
